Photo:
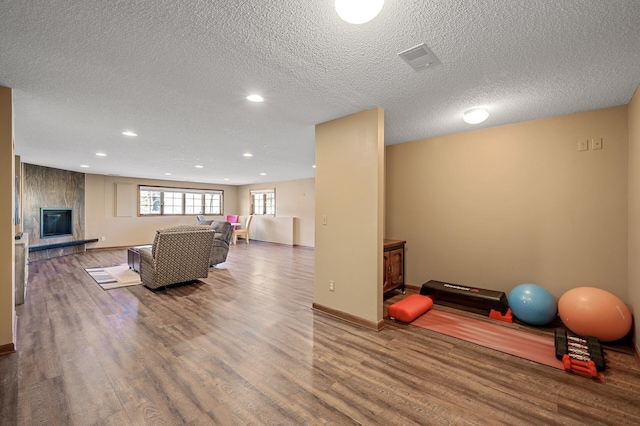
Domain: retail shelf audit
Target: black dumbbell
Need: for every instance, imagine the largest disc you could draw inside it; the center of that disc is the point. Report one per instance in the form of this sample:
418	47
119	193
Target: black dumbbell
595	356
595	350
590	344
561	349
577	351
560	342
595	347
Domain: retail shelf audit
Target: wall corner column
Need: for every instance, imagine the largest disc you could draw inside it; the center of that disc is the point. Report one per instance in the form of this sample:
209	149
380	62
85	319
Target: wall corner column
349	216
7	224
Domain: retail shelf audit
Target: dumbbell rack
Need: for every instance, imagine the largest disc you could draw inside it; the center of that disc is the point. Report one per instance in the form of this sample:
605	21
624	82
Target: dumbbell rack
583	357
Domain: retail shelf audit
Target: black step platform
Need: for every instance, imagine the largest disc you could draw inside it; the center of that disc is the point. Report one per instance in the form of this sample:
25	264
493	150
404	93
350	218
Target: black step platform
467	297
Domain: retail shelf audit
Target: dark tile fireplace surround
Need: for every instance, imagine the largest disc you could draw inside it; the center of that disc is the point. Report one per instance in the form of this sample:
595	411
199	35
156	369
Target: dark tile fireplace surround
45	187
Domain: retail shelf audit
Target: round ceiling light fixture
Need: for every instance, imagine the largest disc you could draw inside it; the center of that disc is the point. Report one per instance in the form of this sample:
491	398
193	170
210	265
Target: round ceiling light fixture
475	115
255	98
358	11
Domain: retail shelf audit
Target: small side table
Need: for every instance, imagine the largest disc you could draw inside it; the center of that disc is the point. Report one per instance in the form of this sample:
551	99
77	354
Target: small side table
133	257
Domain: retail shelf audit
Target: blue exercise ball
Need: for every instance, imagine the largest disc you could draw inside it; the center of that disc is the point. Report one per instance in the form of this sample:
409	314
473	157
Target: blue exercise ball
533	304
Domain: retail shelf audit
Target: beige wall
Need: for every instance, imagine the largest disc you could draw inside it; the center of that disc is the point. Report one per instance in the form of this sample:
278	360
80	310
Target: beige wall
634	210
515	204
295	211
121	231
350	192
7	230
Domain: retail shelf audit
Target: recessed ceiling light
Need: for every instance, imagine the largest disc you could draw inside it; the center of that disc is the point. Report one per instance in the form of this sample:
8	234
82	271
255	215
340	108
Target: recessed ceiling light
255	98
475	115
101	154
199	166
358	11
226	178
84	166
128	133
314	166
167	174
246	154
263	174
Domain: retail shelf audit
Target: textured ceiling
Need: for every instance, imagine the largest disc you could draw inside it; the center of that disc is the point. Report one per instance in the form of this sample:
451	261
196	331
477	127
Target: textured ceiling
177	73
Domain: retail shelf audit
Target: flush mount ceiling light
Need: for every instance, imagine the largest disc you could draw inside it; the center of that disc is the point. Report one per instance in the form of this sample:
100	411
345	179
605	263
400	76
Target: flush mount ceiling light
246	154
101	154
255	98
199	166
358	11
475	115
128	133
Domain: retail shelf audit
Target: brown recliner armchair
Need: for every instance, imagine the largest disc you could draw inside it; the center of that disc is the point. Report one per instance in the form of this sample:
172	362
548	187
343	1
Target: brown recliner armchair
179	254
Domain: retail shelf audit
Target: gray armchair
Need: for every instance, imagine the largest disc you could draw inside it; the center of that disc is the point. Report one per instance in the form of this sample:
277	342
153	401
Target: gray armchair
221	240
179	254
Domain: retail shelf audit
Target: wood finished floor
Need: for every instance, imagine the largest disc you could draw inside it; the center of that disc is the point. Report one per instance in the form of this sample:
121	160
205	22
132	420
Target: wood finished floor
245	347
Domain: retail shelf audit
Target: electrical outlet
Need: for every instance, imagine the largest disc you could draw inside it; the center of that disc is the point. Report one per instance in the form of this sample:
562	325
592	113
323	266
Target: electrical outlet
103	238
596	143
332	285
583	144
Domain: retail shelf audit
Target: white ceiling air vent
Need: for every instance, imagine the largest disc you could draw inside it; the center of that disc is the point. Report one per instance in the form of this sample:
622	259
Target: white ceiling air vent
419	57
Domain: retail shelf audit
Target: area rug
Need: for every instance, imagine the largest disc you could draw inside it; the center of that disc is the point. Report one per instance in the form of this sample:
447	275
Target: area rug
508	340
115	276
495	336
519	343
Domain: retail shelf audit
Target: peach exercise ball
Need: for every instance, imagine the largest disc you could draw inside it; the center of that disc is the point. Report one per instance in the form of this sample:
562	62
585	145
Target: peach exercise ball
590	311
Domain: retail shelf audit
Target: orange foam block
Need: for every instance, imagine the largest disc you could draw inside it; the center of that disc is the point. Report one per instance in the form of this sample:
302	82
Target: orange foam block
410	308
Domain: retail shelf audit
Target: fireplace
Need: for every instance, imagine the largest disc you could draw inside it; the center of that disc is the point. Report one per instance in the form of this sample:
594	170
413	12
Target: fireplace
56	222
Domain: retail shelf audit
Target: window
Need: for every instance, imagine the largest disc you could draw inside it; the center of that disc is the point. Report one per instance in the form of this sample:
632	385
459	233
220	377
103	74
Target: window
193	203
213	203
172	203
150	201
263	202
179	201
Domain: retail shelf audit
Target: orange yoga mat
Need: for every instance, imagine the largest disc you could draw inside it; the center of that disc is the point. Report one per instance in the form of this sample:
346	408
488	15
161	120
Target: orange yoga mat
525	345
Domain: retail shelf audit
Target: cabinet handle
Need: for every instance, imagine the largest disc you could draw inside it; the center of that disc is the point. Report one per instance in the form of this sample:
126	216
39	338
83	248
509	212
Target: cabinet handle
390	269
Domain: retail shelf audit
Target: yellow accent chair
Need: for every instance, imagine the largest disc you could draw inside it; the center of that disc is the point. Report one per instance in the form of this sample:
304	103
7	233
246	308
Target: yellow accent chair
243	232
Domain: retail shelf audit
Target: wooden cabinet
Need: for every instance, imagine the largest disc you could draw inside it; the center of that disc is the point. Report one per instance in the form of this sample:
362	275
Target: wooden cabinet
393	261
